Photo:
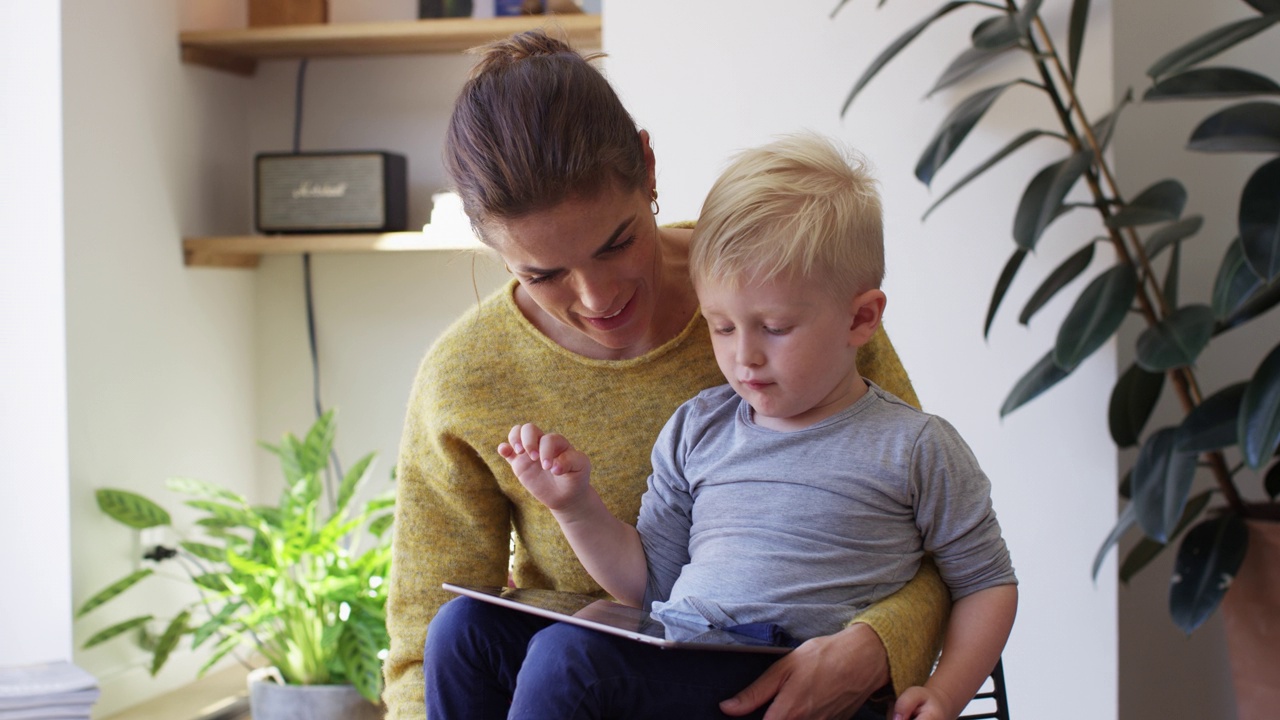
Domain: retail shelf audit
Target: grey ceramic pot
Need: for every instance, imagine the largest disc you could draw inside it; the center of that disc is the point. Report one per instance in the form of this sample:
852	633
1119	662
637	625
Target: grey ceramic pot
271	701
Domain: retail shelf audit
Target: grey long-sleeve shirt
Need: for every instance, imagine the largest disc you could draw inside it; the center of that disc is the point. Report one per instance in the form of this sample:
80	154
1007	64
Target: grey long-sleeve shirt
743	524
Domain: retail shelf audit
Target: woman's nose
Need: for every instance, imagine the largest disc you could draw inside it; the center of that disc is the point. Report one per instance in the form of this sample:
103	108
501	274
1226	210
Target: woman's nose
597	294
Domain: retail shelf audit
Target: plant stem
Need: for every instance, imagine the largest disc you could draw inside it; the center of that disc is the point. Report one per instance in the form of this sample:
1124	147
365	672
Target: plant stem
1184	379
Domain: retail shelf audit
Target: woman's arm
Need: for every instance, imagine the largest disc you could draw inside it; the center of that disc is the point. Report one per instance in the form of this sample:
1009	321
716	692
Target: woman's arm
452	524
896	640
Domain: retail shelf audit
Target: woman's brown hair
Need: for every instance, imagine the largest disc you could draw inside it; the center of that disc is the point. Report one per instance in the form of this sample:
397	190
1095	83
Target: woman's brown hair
535	124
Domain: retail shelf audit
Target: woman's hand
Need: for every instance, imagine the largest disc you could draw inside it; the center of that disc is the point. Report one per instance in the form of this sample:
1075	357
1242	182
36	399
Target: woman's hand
826	678
551	469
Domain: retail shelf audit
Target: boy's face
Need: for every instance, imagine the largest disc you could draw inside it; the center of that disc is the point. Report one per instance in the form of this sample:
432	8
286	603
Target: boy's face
788	347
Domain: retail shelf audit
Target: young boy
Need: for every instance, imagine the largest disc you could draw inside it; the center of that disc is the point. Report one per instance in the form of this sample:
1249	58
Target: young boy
799	493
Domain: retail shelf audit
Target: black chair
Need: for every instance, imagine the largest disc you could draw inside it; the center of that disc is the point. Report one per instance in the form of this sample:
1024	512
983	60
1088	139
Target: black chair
990	703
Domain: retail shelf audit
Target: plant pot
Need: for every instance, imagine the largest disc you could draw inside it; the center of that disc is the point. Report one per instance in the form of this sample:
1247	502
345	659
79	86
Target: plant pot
1251	615
269	700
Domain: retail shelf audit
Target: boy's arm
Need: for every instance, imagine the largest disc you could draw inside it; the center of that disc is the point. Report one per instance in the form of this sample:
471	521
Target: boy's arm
559	476
980	625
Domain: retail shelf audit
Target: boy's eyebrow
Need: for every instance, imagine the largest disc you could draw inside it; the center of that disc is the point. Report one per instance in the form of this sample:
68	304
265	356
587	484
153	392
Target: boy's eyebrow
604	247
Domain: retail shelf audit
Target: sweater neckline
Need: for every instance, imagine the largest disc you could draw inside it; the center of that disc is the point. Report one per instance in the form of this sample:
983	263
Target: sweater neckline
509	304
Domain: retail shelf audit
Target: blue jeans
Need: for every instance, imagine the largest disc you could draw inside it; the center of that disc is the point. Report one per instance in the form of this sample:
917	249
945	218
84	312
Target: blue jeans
483	661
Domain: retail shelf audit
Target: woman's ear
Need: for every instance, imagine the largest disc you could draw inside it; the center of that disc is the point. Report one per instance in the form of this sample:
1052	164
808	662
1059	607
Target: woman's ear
865	312
650	163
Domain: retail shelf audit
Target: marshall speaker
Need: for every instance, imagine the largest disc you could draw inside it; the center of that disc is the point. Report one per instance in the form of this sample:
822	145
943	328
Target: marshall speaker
330	192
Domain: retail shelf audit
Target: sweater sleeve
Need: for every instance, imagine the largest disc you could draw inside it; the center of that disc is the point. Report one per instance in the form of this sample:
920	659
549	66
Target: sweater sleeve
911	624
452	524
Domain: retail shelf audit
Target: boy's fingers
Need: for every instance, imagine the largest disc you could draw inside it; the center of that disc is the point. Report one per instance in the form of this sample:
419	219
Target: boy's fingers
513	439
530	437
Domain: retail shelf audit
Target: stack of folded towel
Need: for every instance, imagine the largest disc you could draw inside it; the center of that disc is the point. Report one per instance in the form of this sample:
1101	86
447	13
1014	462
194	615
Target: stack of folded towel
50	691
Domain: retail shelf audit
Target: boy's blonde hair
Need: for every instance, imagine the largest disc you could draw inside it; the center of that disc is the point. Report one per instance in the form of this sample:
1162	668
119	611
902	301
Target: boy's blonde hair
798	207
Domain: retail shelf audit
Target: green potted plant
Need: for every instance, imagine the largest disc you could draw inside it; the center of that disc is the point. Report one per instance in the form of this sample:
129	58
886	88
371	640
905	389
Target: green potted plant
298	586
1231	435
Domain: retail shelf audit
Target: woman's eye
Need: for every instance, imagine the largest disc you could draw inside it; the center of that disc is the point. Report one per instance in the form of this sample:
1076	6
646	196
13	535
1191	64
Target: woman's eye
622	245
539	279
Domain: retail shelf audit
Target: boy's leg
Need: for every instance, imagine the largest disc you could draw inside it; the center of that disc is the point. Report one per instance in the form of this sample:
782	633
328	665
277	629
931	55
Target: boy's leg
473	653
572	672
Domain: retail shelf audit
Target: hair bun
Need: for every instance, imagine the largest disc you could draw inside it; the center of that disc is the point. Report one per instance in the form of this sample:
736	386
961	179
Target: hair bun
521	46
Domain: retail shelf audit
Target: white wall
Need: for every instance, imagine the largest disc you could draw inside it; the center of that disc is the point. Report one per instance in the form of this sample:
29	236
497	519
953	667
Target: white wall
35	552
1164	673
160	358
711	77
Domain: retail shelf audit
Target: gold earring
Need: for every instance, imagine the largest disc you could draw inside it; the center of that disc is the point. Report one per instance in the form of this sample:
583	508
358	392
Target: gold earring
653	201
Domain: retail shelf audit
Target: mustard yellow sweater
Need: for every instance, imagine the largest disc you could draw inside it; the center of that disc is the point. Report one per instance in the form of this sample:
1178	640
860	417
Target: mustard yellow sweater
458	500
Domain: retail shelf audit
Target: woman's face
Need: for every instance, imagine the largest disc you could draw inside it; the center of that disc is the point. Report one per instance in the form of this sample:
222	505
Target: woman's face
591	264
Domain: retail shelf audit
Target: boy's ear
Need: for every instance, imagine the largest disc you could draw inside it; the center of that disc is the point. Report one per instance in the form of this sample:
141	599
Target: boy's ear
865	312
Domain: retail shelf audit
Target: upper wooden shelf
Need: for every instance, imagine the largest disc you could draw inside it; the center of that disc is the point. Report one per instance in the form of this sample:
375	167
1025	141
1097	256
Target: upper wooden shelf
239	51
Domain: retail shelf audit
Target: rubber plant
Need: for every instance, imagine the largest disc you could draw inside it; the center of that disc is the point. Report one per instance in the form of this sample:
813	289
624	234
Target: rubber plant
288	582
1232	434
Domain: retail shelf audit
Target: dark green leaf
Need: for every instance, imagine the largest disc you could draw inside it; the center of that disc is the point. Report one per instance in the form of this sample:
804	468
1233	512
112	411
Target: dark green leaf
1171	276
1069	270
1259	422
997	32
214	624
1209	44
204	551
1161	480
967	63
1176	340
359	650
1247	127
1132	400
1044	375
116	630
1208	560
1126	520
1260	219
1159	203
214	581
112	590
1272	482
1043	197
1146	549
1002	286
1212	425
954	129
1172	233
1104	129
1096	316
1235	284
169	640
1260	302
1018	142
1211	83
1075	35
131	509
896	47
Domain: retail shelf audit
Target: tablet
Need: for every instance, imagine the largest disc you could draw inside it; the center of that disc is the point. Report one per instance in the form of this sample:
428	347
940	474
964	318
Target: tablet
615	619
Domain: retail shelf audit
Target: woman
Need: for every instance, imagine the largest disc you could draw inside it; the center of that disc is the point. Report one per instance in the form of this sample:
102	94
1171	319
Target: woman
600	337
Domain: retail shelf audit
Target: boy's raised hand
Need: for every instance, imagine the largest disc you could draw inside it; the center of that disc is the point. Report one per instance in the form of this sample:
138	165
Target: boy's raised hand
551	469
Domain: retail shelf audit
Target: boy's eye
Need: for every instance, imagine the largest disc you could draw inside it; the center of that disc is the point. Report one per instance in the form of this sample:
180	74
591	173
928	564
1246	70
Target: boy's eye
727	330
777	330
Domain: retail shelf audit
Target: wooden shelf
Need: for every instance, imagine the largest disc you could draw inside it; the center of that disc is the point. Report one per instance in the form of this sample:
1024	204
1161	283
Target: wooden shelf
239	51
245	251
